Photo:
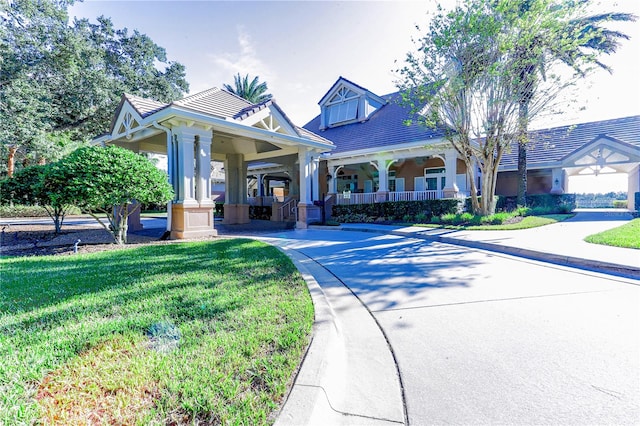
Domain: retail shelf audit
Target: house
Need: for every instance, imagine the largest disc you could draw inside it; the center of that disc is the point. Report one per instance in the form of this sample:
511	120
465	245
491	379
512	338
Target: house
377	157
357	150
215	125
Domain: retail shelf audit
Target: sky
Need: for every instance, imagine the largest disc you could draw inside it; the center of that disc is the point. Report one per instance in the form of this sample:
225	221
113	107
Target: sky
300	48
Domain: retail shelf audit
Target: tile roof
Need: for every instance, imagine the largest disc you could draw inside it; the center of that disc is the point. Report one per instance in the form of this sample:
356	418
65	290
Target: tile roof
554	144
386	128
216	102
383	128
145	107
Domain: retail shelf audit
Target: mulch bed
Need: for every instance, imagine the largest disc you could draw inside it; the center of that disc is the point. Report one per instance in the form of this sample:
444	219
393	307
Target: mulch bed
41	240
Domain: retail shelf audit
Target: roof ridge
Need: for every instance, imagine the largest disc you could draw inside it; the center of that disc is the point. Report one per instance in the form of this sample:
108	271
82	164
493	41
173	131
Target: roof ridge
196	96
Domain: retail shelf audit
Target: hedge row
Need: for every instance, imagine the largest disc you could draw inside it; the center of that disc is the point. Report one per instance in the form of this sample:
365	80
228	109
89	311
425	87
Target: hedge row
396	210
564	202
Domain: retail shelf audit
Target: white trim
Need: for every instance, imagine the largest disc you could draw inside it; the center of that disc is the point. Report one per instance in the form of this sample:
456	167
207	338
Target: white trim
221	125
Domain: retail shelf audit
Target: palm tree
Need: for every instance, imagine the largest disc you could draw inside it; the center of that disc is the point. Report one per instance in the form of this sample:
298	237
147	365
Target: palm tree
590	40
252	91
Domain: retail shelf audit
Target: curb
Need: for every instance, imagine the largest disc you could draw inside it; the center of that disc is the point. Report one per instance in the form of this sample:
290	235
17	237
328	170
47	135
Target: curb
348	375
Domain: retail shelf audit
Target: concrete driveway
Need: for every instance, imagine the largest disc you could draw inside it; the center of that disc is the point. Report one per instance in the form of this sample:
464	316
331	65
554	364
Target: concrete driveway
484	338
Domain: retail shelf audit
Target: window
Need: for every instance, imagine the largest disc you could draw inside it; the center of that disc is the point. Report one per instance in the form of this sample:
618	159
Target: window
432	181
343	106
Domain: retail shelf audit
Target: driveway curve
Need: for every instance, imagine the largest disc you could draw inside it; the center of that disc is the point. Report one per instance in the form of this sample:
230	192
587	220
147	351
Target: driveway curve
479	337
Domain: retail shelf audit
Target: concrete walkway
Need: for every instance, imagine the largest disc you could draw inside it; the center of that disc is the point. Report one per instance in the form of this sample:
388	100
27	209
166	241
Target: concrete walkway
351	374
559	243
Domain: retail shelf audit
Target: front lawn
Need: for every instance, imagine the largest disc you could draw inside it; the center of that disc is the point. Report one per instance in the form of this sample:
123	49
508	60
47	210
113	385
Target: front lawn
627	235
188	333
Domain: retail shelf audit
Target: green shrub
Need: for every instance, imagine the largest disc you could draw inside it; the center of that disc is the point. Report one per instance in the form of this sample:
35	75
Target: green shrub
558	203
398	209
407	218
436	220
499	218
620	204
260	212
421	218
19	210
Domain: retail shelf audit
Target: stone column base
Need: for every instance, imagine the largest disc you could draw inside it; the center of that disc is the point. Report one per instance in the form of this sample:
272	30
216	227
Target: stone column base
236	214
308	213
191	222
276	213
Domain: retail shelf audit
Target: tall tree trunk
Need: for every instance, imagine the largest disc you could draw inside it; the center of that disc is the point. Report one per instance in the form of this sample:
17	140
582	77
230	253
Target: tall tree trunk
11	160
523	118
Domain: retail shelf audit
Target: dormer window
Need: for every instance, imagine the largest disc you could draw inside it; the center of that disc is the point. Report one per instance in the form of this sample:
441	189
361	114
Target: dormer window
343	106
347	103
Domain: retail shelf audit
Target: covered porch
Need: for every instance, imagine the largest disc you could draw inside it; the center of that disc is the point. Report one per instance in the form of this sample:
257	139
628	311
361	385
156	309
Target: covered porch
215	125
417	174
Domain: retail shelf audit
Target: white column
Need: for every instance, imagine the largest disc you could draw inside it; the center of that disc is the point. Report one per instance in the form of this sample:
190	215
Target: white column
450	165
232	165
304	159
259	178
634	186
315	165
185	162
333	184
203	159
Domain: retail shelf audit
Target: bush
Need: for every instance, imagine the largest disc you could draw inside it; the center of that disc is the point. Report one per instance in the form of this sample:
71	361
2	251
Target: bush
620	204
557	203
395	210
421	218
354	218
19	210
260	212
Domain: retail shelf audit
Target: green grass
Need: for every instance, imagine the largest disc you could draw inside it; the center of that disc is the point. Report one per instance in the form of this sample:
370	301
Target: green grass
180	333
627	235
525	223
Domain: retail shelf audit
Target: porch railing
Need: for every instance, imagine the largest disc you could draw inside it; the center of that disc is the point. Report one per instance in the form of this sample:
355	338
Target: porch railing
289	210
356	198
415	195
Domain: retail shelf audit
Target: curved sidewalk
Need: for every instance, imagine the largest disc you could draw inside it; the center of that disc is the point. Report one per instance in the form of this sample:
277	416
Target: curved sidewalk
349	375
560	243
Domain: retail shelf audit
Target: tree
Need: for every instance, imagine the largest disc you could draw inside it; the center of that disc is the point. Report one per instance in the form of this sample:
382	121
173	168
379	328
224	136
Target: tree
59	83
463	78
113	181
592	41
39	185
252	91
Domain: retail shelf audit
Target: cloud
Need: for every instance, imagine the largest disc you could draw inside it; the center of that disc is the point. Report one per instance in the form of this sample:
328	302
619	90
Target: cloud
245	61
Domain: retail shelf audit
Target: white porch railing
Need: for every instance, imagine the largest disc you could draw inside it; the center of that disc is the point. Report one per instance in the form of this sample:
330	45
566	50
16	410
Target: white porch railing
289	209
370	197
415	195
356	198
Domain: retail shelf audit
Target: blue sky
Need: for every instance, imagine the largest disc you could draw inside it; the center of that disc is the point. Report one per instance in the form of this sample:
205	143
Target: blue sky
300	48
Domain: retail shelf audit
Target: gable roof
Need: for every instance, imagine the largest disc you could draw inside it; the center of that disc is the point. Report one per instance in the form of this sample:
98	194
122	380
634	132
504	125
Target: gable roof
384	128
553	145
143	106
214	101
339	82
